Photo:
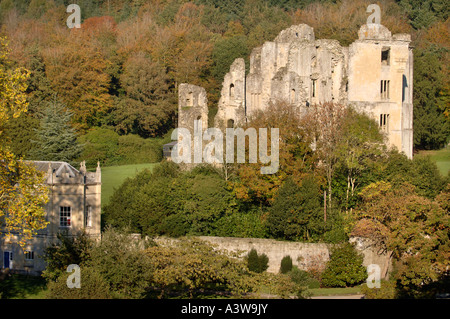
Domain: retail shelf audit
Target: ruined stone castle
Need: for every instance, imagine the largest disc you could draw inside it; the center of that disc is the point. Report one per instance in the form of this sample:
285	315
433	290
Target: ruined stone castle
374	74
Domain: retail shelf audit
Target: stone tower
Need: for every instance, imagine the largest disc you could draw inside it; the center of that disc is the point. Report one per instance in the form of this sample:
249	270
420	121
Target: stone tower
380	79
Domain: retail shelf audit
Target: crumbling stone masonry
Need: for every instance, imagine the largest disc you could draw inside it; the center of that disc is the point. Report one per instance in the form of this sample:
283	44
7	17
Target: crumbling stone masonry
375	74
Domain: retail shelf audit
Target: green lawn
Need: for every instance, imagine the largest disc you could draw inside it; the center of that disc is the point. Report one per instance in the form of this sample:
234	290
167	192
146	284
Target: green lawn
113	177
335	291
23	287
441	157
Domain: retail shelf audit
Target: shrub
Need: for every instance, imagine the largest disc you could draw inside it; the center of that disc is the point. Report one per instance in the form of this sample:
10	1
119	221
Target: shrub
93	286
120	260
386	291
303	278
100	144
344	269
286	264
68	250
257	263
135	149
249	224
108	147
296	213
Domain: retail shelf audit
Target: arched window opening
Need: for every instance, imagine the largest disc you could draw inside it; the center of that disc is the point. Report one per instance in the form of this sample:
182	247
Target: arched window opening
190	99
292	97
231	91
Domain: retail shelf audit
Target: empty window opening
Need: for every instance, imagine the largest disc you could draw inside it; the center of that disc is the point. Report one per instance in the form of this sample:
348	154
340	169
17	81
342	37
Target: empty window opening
384	89
190	99
231	91
384	122
292	97
314	88
385	56
230	123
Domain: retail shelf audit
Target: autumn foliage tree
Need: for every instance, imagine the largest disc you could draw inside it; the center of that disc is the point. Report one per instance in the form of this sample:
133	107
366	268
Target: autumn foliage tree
412	229
296	158
324	124
147	107
22	192
77	69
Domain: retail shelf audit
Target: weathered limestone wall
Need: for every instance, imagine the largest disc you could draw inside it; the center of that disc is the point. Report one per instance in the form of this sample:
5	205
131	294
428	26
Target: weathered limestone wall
232	100
304	255
192	105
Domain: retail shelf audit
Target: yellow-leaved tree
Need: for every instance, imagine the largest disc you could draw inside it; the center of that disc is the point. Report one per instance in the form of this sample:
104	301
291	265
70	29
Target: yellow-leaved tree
22	189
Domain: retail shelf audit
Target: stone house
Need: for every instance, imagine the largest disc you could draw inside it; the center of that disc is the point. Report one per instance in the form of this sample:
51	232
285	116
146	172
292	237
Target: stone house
374	74
74	205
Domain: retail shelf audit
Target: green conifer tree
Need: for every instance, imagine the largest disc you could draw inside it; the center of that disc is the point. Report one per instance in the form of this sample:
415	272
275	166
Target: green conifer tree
56	139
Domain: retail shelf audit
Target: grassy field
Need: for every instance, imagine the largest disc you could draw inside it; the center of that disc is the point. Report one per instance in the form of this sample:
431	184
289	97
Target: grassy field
441	157
113	177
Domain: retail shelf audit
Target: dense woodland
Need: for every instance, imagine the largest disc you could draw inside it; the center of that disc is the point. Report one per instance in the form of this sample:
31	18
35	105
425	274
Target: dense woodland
108	92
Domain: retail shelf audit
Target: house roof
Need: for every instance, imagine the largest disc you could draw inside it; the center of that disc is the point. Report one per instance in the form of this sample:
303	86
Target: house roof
57	167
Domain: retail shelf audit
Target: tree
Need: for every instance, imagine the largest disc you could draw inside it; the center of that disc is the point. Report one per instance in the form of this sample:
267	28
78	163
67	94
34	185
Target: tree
148	106
93	286
325	126
257	262
56	139
341	20
286	265
225	51
22	189
296	213
412	229
422	14
345	268
358	152
120	259
431	128
296	157
77	70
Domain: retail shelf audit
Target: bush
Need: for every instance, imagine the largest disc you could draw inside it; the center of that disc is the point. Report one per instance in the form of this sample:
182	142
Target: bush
344	269
296	213
93	286
171	202
68	250
248	224
120	260
257	263
100	144
108	147
386	291
286	264
303	278
135	149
